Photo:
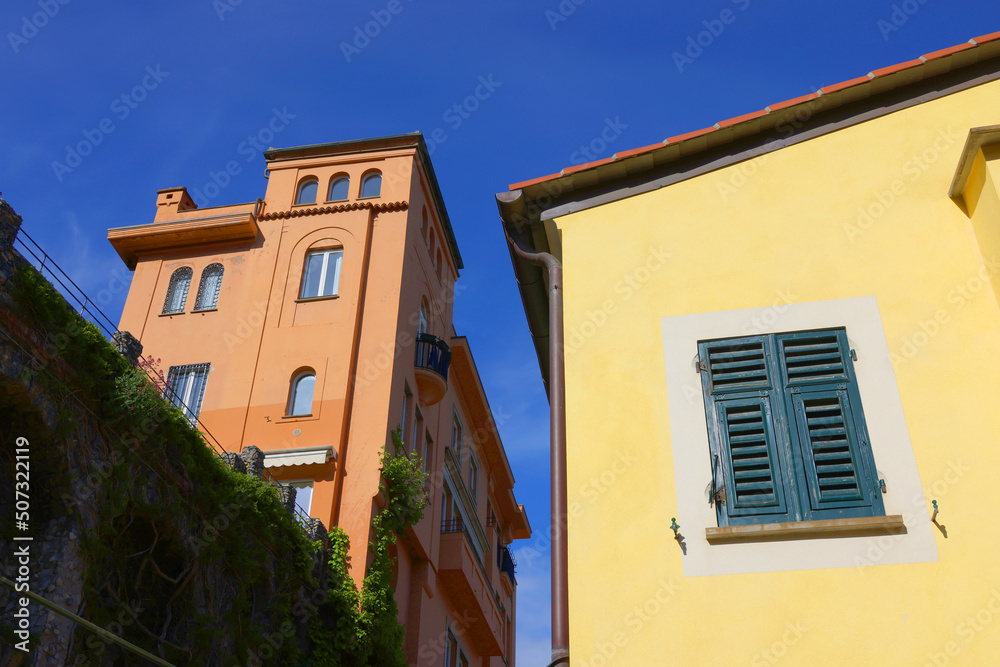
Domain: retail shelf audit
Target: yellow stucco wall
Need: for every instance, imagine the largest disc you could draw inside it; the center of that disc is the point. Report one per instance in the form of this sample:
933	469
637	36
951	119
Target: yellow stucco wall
857	212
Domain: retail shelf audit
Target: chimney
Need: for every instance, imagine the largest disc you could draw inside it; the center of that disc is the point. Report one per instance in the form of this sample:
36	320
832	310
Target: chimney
171	201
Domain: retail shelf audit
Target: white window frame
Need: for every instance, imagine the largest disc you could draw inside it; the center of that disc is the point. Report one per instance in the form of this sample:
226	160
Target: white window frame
340	178
365	180
692	469
473	479
204	300
291	394
306	182
302	483
424	321
457	433
189	404
326	254
179	279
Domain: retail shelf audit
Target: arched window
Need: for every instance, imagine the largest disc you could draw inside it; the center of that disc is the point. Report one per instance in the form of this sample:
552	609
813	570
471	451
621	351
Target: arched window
301	398
438	263
422	324
423	223
177	291
322	273
208	288
372	185
307	191
338	188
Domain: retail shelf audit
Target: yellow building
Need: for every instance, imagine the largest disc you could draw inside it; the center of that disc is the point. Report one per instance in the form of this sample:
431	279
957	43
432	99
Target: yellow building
783	331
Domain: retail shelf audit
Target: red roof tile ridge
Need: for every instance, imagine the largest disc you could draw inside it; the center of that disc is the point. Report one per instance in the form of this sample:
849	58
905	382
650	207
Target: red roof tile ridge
736	120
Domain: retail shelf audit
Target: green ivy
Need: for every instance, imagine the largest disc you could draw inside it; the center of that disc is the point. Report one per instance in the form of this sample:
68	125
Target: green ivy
368	632
261	543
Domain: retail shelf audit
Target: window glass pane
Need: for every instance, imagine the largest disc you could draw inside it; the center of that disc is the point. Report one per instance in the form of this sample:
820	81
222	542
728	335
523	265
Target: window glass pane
332	273
307	192
208	290
186	388
180	282
372	186
302	395
303	495
338	189
314	268
422	326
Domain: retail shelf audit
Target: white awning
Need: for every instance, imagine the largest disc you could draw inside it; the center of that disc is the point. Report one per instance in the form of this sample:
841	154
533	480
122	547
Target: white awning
299	456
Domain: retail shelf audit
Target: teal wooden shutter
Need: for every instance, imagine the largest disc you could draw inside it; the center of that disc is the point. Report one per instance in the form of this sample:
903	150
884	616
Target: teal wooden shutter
829	437
746	435
750	458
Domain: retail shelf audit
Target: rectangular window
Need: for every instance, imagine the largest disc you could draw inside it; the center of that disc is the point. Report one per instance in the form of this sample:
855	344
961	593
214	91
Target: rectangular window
321	276
186	388
451	651
428	448
404	425
303	494
786	429
456	438
473	479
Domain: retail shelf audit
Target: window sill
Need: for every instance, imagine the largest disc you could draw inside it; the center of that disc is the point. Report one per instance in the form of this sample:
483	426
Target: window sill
336	201
802	530
308	416
317	298
204	310
179	312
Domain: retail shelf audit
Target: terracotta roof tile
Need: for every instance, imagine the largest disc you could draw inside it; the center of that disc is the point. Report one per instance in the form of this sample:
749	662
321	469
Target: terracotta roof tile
792	102
638	151
986	38
828	90
690	135
934	55
729	122
533	181
850	83
586	165
892	69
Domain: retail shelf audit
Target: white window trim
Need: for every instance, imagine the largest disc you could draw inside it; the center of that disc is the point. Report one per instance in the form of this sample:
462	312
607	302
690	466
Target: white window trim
473	478
292	394
339	253
886	423
188	373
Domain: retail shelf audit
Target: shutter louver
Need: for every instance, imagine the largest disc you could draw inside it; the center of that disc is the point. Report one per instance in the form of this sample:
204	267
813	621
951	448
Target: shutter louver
813	358
831	448
734	367
750	457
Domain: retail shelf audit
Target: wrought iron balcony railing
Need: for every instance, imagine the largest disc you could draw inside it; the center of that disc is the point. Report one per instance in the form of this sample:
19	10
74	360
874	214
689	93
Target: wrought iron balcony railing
507	563
433	354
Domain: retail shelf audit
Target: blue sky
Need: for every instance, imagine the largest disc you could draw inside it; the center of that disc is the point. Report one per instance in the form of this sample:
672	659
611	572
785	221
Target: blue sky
167	94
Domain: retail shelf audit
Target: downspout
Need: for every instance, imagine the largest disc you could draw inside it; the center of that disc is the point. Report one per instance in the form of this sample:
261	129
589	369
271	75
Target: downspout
557	446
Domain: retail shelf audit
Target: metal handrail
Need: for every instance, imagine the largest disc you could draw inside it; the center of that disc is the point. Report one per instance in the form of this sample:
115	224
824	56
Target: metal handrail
89	308
433	354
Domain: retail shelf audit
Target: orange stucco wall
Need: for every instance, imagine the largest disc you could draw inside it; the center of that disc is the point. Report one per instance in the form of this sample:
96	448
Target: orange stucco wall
361	347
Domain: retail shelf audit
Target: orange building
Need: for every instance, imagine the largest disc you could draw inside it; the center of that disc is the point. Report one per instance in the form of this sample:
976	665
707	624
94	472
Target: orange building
313	322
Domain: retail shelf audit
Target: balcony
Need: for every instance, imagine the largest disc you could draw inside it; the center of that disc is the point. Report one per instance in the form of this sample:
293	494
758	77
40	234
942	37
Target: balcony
433	356
464	581
506	563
